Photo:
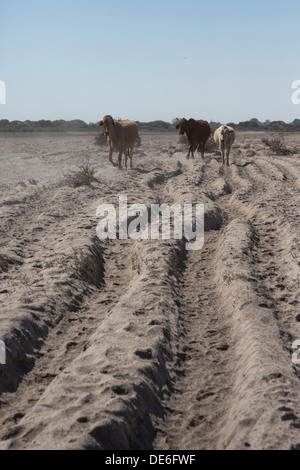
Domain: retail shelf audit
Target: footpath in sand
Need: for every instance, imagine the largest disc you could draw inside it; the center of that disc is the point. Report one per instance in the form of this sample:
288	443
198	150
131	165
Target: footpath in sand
141	344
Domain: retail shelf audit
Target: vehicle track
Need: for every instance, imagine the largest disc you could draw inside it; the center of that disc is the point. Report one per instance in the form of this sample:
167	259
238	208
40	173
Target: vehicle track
202	379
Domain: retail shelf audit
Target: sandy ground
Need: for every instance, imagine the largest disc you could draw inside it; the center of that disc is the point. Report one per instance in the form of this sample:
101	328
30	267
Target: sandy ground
141	344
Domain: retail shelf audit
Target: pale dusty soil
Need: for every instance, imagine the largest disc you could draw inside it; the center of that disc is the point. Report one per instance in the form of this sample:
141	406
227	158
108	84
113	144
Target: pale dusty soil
131	344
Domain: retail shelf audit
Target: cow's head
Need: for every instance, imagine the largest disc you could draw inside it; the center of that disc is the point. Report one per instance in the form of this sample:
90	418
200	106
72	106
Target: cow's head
223	133
183	126
108	124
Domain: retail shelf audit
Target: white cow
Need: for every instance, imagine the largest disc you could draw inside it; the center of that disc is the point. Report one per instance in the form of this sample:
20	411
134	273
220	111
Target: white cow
224	137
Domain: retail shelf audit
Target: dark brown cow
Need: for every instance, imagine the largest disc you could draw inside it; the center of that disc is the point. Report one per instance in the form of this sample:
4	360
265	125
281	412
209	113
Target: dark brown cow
197	133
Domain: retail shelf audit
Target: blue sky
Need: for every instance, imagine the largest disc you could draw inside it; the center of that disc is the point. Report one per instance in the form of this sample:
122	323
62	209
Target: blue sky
219	60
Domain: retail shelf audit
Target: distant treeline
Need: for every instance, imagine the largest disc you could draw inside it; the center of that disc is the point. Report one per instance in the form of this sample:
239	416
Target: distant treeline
78	125
44	125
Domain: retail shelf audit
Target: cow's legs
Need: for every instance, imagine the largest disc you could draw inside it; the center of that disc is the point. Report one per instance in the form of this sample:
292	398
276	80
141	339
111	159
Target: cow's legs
222	148
125	155
130	156
110	155
120	158
201	145
223	156
191	152
227	156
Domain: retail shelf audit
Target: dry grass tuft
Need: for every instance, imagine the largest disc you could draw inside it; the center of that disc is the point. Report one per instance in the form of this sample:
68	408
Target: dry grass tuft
101	139
210	145
6	262
85	176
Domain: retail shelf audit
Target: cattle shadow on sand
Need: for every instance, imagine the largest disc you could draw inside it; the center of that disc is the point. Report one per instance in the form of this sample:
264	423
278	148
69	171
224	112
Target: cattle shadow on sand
244	164
144	171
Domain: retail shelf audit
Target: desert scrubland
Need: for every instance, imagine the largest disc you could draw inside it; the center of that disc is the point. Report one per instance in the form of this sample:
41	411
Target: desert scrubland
142	344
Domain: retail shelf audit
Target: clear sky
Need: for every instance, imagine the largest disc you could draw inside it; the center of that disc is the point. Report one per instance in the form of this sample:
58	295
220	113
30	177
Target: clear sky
227	61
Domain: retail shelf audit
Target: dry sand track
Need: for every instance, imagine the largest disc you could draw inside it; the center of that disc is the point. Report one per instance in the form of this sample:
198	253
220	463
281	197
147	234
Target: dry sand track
131	344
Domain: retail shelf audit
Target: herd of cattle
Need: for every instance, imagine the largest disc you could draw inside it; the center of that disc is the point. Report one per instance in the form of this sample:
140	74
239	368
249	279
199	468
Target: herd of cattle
122	135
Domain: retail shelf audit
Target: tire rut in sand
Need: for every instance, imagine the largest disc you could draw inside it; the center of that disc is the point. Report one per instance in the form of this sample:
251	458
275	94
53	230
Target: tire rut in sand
69	338
277	227
202	377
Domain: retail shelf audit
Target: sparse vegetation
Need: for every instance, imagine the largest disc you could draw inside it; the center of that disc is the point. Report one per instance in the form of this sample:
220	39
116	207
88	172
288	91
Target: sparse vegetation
85	176
182	140
86	264
101	139
155	126
6	262
276	143
229	277
26	283
210	145
138	141
89	265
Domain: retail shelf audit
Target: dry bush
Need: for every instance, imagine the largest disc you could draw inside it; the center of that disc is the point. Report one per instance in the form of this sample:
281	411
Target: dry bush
89	264
6	262
276	143
182	140
86	263
138	141
101	139
210	145
85	176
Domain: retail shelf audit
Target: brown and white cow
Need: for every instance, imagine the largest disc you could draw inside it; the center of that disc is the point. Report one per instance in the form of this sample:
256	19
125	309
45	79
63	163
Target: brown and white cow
121	135
224	137
197	133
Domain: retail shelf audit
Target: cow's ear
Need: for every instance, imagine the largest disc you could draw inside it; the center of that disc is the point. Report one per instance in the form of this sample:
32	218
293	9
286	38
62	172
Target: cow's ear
113	122
177	127
100	123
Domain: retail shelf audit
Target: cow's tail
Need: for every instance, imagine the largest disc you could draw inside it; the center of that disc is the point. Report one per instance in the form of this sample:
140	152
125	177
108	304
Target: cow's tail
222	141
222	137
